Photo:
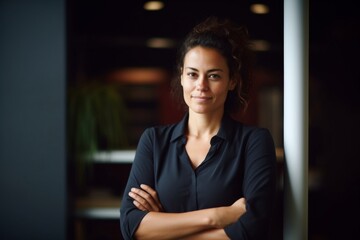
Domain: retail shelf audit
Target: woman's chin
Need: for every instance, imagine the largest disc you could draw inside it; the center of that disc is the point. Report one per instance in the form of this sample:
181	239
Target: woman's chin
200	109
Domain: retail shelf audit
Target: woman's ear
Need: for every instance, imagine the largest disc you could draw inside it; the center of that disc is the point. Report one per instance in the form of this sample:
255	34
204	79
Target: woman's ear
232	85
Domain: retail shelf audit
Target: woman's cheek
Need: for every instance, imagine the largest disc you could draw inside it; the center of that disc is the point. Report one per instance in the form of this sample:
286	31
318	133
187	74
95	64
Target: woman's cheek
187	88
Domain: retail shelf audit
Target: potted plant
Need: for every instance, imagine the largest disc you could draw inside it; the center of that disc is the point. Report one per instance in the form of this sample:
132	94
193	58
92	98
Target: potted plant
97	119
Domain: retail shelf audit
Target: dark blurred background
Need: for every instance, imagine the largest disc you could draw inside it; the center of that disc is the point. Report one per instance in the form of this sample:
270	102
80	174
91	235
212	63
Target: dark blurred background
88	77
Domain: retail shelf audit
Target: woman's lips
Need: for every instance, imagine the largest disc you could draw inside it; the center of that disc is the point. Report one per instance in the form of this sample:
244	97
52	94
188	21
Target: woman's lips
201	98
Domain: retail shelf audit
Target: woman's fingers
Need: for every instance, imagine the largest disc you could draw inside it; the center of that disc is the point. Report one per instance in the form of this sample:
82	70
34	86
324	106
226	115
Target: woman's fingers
148	189
145	201
139	206
153	193
143	198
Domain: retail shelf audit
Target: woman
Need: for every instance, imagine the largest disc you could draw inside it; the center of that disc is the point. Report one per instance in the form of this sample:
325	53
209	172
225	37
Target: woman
208	176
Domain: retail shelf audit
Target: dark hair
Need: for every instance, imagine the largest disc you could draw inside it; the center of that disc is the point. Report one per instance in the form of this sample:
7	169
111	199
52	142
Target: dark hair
233	43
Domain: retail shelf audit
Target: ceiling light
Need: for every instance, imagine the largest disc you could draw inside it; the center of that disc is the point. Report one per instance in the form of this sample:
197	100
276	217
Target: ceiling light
160	43
260	45
259	8
153	5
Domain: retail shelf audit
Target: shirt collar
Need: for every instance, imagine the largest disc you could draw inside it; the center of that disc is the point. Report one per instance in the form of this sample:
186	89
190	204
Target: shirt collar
225	131
226	128
180	127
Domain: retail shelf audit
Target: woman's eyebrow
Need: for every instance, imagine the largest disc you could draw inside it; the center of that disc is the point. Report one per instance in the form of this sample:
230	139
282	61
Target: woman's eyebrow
193	69
215	70
210	70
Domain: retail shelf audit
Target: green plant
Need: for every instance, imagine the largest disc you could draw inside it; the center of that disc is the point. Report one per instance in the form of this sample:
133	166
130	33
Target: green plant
97	120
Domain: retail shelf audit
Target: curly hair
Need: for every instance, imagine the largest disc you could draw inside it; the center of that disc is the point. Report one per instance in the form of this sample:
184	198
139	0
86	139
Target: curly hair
233	43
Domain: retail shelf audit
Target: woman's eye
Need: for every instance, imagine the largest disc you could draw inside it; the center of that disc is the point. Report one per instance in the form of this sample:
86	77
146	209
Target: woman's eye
214	76
192	74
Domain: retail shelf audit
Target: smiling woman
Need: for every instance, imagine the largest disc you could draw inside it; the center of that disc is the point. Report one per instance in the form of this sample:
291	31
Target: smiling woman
167	194
205	80
133	49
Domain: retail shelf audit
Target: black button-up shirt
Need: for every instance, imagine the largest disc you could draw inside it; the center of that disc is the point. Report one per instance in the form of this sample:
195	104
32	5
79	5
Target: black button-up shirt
240	163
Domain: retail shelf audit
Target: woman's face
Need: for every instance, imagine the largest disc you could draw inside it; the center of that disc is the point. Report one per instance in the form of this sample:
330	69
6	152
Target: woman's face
205	80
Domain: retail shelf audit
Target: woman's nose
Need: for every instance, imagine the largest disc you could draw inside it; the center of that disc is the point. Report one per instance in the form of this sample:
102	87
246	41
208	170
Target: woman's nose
202	84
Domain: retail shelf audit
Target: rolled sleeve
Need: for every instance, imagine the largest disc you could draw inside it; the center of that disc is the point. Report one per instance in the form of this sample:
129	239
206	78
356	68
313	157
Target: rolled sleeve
259	188
141	173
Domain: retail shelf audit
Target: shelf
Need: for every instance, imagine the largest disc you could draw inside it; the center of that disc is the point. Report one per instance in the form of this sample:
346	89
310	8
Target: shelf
98	205
98	213
118	156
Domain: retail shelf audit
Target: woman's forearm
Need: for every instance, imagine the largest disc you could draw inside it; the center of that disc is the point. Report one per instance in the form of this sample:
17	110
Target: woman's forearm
159	225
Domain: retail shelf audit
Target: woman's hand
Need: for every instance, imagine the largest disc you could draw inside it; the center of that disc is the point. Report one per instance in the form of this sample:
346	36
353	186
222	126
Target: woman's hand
239	205
224	216
146	199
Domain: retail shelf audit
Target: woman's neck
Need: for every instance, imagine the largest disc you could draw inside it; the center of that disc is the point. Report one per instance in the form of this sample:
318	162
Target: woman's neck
204	125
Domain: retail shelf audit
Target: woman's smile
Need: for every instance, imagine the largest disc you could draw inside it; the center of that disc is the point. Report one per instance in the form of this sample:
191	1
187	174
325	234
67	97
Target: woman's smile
201	98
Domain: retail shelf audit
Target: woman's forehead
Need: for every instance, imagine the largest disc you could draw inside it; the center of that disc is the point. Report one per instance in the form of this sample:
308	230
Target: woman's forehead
201	57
